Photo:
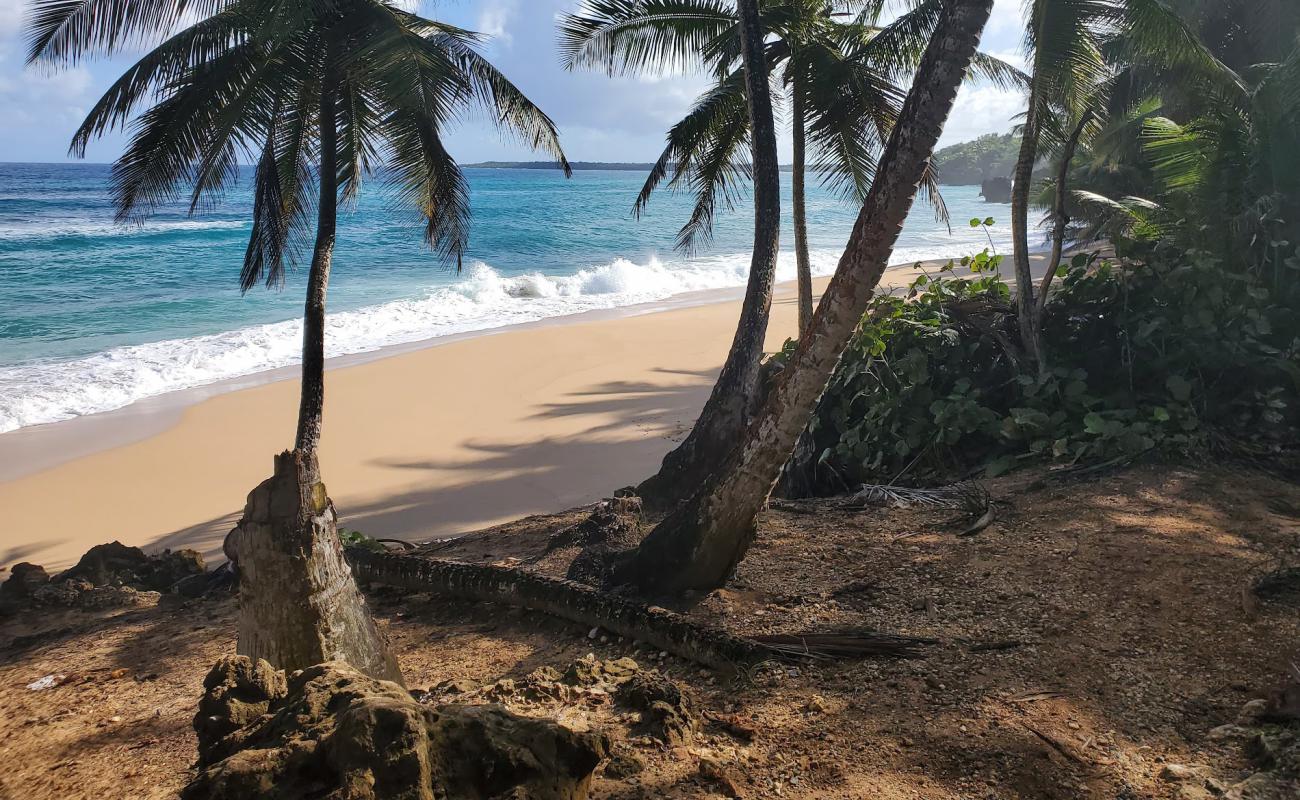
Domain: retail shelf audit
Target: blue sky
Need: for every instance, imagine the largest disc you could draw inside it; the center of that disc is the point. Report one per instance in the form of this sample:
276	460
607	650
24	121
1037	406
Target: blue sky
600	118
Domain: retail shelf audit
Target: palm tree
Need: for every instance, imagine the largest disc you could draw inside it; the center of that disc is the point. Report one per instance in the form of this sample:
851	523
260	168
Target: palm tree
698	545
319	94
1069	42
841	77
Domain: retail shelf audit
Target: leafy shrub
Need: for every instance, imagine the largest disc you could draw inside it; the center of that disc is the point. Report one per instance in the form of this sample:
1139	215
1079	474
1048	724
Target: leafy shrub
1162	355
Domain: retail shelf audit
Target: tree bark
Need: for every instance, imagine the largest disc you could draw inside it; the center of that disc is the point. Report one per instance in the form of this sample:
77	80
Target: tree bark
699	544
1060	221
1021	184
803	262
312	402
298	602
732	402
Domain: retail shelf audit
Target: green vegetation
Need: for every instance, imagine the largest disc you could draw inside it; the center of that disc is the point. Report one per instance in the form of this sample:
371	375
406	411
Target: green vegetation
1169	355
970	163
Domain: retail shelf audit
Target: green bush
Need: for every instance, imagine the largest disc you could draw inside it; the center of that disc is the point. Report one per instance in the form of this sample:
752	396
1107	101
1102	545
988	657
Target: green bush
1162	355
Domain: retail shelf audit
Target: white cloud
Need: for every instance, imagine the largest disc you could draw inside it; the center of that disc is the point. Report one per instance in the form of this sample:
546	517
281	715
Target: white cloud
980	110
495	18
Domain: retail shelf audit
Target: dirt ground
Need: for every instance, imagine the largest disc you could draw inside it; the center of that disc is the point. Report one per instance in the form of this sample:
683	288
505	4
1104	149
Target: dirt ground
1095	633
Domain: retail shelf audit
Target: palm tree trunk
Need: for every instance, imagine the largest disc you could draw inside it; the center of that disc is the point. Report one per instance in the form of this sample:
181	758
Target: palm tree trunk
732	402
311	404
698	545
1021	183
1061	220
298	602
802	261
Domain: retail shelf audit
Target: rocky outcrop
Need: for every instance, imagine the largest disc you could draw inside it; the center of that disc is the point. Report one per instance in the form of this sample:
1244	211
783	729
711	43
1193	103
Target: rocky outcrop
996	190
336	733
116	564
109	575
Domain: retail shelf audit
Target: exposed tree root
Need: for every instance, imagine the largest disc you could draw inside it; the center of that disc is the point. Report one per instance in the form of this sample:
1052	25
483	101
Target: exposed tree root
583	604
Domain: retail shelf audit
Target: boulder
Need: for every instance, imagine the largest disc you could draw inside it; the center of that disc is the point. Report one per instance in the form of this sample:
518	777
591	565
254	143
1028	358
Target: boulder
236	693
24	580
337	734
667	713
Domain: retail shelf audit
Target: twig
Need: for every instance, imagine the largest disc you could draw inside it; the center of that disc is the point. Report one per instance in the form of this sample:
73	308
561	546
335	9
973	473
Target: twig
1057	745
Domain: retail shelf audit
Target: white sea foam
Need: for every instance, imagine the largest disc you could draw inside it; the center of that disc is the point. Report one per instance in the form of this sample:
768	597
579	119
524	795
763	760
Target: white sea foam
48	391
36	231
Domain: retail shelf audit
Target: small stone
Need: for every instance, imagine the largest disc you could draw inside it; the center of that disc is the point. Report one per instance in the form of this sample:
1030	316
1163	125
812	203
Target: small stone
1225	733
1180	773
719	775
1252	711
816	705
593	633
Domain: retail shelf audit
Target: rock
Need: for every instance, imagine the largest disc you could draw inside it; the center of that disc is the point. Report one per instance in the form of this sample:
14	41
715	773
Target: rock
816	705
1264	786
1275	748
591	671
734	725
1225	733
1282	705
107	565
624	765
116	564
164	571
79	593
996	190
24	579
337	734
1182	773
667	713
1251	712
236	693
453	686
720	775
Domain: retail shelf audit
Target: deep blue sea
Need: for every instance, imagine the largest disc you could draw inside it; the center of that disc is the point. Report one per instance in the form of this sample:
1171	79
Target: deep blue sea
96	315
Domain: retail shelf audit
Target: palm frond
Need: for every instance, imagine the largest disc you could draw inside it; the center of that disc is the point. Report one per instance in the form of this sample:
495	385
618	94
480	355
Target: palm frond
511	108
166	64
628	36
68	30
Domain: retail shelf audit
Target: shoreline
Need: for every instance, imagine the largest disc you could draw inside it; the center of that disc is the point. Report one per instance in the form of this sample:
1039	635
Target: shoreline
422	439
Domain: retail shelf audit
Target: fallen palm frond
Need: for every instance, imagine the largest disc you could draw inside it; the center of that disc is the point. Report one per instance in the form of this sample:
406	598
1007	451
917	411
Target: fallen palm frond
969	497
964	496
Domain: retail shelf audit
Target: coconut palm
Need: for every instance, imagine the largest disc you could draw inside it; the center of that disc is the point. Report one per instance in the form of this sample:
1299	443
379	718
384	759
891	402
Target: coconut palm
698	544
841	72
320	94
1072	45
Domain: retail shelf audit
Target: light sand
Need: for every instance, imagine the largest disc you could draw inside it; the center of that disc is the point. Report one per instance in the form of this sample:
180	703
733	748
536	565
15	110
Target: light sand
417	445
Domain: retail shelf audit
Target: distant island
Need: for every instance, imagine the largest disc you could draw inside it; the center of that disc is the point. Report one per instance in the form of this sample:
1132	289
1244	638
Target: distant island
624	166
966	164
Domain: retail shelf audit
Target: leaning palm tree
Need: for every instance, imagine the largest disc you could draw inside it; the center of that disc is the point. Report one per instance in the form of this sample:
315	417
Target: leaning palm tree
698	545
1072	47
320	94
840	70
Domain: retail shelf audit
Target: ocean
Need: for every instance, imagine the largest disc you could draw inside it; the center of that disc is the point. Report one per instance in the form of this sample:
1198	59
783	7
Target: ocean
98	315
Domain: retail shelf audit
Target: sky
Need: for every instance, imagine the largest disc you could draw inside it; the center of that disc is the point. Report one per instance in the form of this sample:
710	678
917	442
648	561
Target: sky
600	118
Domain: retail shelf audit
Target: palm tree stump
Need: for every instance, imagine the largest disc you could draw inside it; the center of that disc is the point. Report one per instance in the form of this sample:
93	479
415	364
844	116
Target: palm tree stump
298	602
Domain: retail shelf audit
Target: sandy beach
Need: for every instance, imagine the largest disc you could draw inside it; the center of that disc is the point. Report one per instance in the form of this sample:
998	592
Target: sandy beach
418	444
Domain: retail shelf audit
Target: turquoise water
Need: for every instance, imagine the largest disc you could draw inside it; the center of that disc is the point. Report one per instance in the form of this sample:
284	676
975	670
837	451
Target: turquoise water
97	315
